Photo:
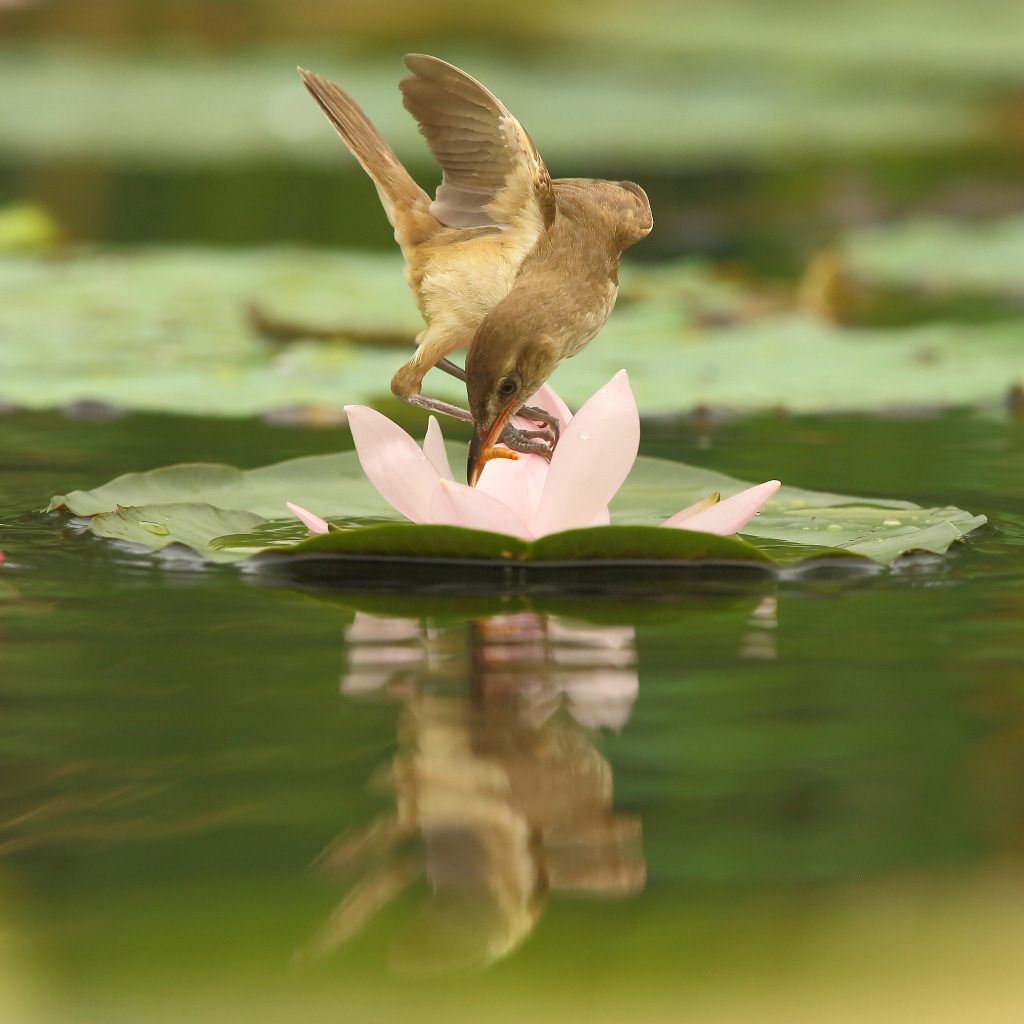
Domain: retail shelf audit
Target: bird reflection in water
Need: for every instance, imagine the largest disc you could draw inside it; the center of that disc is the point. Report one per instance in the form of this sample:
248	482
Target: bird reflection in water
501	795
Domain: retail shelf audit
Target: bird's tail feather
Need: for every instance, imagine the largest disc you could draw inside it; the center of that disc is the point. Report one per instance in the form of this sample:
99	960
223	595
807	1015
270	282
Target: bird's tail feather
400	195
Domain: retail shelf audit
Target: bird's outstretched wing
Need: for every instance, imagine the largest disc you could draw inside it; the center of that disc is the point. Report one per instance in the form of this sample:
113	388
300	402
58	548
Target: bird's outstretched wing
493	175
404	201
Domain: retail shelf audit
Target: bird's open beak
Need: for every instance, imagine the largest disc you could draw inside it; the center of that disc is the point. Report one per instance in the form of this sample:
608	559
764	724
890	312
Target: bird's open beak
481	443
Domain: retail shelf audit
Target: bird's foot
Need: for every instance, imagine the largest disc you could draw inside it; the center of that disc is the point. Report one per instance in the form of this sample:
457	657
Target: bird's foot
543	417
529	442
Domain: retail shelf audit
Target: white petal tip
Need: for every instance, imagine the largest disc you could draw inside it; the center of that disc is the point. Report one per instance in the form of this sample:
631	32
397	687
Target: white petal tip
312	522
727	516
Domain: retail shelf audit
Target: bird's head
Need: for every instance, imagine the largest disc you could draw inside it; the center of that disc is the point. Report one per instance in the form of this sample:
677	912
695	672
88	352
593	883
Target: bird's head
504	367
620	209
636	219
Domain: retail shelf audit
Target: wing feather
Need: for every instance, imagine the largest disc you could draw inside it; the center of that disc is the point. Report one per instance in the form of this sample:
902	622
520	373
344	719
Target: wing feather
493	175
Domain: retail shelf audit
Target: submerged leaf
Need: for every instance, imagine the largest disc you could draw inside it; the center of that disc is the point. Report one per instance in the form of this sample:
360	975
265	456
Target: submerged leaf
876	532
193	524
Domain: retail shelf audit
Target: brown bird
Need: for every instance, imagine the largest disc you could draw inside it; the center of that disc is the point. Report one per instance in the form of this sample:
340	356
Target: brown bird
518	268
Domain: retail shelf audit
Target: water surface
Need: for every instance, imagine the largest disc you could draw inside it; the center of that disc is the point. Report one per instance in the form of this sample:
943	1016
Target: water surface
766	800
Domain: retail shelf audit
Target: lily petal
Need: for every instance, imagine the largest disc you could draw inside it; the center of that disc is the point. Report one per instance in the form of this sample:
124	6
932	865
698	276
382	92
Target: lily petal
728	515
566	632
517	484
456	504
367	628
394	462
601	698
592	459
433	448
313	522
520	484
692	510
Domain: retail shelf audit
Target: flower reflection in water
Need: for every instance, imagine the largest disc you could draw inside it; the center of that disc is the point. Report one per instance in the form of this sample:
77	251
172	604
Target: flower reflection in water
501	795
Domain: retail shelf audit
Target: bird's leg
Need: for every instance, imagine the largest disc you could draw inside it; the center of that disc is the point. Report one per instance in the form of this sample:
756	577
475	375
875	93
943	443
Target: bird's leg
436	405
405	386
516	439
406	382
453	368
529	442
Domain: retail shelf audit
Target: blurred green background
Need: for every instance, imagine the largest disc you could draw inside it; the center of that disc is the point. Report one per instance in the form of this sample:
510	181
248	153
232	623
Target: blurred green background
761	128
839	187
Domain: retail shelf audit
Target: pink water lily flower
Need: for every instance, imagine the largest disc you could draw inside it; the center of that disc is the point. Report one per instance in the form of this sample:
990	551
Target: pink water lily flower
528	497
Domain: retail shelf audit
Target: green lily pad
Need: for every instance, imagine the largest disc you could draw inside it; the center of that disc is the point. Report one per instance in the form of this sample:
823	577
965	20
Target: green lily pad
657	488
193	524
332	485
409	540
227	514
604	543
644	543
167	330
942	256
879	533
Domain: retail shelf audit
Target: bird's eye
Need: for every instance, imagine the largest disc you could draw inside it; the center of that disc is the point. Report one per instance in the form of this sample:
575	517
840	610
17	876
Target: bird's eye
507	387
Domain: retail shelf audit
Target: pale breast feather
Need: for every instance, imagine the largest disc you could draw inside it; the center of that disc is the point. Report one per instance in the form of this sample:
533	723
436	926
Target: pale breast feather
466	285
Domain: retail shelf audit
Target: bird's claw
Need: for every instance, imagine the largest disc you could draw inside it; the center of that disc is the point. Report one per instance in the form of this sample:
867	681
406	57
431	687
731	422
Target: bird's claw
543	417
529	442
533	442
539	435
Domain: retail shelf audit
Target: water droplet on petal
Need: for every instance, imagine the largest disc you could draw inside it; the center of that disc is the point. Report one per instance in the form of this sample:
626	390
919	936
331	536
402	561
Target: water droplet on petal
604	391
584	435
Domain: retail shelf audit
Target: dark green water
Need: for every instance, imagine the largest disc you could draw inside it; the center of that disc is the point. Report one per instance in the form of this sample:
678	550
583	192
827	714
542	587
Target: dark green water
826	775
768	219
